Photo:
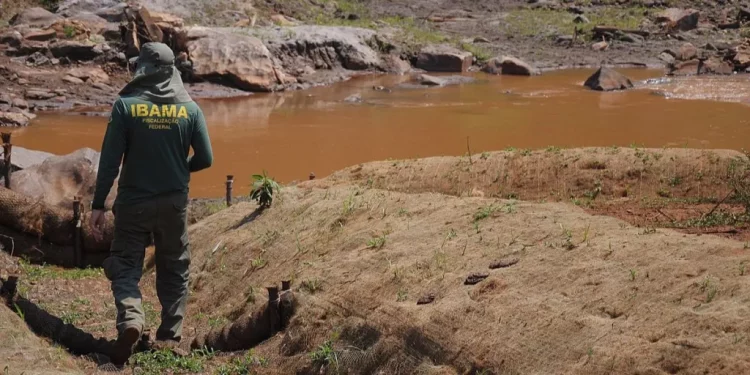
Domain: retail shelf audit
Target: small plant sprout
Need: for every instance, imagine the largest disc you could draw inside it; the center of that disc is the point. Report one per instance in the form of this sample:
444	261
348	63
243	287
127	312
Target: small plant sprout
263	189
742	268
632	275
376	242
709	288
312	286
325	355
586	235
401	295
484	213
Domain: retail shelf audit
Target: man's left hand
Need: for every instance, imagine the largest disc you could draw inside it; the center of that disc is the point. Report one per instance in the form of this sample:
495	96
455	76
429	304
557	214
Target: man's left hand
97	224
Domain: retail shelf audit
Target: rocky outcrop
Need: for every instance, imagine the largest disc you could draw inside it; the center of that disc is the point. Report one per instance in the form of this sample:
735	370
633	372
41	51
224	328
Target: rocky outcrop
89	74
606	79
24	158
715	65
35	17
429	80
224	55
443	58
303	49
509	65
687	52
16	118
684	68
741	58
75	50
679	19
57	179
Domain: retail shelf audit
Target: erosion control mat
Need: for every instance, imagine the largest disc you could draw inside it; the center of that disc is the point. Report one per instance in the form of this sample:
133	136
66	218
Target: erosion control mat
568	292
54	224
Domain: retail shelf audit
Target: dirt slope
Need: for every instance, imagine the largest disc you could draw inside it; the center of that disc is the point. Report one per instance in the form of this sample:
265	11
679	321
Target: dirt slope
589	294
22	352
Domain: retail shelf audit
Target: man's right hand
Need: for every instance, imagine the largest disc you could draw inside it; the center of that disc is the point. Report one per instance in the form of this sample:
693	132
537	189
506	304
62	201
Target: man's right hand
97	224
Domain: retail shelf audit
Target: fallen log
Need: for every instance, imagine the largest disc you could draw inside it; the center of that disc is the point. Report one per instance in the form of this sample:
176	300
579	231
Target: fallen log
731	25
54	224
250	330
598	30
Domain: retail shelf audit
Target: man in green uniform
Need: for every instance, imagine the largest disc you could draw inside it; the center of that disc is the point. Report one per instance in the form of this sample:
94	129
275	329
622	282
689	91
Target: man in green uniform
153	125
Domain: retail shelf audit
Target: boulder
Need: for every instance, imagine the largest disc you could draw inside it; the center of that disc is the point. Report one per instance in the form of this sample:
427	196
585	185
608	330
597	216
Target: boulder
679	19
744	14
74	50
71	30
34	17
20	103
101	86
59	178
715	65
600	46
631	38
581	19
281	20
94	23
354	98
509	65
39	94
444	58
15	118
12	38
685	68
687	52
667	58
24	158
73	80
41	35
37	59
167	22
742	57
429	80
71	7
243	60
114	13
89	74
111	32
606	79
300	48
395	64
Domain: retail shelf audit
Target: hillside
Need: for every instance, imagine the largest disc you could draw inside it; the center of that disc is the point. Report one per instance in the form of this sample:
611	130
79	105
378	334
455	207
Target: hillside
408	278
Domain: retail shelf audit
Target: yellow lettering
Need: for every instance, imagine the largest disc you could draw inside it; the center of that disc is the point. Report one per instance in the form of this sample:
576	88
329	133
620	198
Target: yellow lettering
154	111
169	110
132	110
183	112
142	110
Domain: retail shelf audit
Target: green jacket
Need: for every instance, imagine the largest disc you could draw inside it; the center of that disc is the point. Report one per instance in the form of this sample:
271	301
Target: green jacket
152	127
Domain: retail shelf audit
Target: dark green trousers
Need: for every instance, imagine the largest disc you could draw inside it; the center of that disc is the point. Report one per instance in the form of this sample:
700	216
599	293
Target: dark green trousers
166	218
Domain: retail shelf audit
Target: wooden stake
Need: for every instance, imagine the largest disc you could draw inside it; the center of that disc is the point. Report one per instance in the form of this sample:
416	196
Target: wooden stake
230	182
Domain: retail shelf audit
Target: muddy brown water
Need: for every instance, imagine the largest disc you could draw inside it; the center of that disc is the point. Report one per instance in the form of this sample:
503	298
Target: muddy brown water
295	133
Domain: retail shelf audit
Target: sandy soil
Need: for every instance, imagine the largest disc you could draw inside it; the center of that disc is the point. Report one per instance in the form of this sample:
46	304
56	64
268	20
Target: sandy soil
571	291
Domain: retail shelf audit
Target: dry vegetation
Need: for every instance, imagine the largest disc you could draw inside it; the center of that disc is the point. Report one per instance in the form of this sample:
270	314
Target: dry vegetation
427	266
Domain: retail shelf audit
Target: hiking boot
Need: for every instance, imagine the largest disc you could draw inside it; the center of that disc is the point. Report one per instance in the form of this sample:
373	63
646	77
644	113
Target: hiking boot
123	347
